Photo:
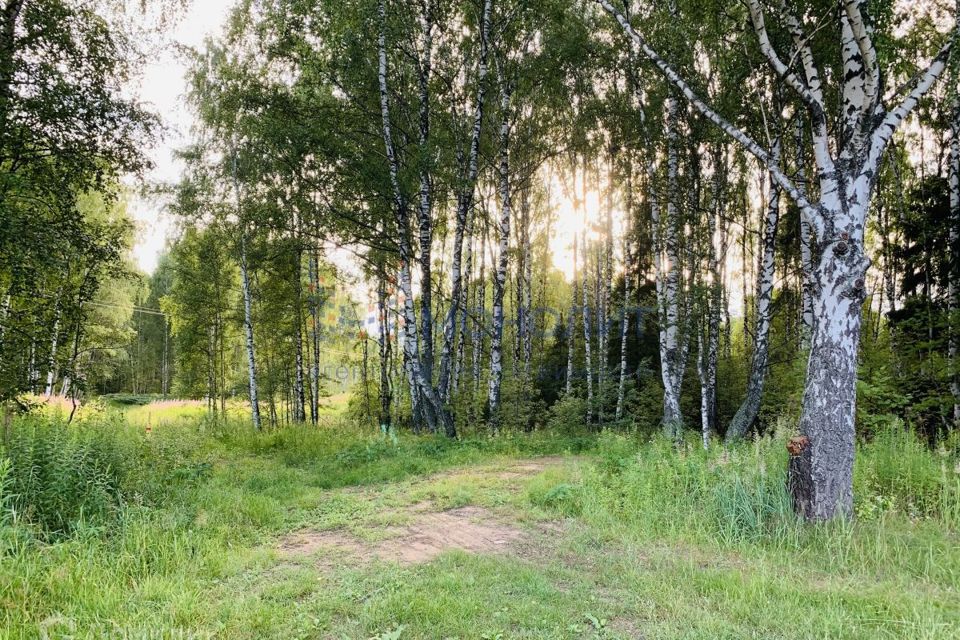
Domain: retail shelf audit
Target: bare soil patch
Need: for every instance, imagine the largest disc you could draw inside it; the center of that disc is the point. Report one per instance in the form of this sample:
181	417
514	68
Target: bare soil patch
470	529
518	469
429	532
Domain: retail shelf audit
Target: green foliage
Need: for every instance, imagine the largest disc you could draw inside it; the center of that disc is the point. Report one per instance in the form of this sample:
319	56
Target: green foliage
568	415
63	478
659	525
551	492
130	399
897	473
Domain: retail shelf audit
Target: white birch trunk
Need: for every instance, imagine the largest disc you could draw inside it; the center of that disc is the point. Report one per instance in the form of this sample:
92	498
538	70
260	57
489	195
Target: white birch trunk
746	415
672	354
247	304
500	274
480	312
587	338
248	332
572	321
425	210
315	336
625	309
464	306
953	277
52	360
465	202
385	350
299	386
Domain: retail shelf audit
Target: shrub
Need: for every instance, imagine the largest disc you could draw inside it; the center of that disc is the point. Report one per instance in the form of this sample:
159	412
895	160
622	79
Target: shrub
568	416
131	399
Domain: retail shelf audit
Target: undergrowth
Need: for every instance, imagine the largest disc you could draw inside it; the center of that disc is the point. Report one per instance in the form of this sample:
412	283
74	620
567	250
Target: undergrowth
89	509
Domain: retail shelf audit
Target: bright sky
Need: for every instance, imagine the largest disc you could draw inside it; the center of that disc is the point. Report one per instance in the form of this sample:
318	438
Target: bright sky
163	89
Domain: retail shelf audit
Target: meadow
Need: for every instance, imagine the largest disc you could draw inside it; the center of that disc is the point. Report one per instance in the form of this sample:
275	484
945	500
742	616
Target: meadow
204	528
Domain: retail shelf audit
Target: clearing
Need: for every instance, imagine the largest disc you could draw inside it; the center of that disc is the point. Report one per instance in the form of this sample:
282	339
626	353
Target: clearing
307	534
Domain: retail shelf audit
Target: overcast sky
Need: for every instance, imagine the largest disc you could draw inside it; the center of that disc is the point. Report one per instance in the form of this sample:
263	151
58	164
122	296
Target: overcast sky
162	88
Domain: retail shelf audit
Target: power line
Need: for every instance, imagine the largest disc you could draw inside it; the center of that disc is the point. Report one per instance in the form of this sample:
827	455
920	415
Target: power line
148	311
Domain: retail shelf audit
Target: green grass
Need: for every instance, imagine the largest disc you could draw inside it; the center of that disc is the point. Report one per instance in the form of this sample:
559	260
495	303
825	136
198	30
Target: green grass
626	539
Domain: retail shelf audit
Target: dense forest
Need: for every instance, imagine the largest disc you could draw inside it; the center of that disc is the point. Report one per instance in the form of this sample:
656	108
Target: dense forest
689	224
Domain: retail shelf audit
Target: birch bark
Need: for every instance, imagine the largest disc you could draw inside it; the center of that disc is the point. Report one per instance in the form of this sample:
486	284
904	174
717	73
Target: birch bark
422	391
500	274
465	201
746	415
821	463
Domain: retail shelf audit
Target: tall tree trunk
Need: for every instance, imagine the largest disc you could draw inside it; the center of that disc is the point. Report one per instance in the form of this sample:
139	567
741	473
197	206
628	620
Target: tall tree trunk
605	291
211	370
627	295
528	326
746	415
315	298
425	210
248	332
954	277
383	341
523	345
421	385
299	391
52	360
500	274
247	302
587	338
465	202
821	465
672	351
709	340
464	309
480	311
572	320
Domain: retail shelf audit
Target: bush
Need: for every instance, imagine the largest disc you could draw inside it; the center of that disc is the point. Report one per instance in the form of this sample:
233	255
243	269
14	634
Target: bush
568	415
131	399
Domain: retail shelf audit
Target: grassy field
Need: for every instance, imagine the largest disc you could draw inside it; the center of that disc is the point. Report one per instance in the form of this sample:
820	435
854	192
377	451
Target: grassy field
205	529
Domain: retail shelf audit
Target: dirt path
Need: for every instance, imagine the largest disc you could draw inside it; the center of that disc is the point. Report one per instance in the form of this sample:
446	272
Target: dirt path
429	531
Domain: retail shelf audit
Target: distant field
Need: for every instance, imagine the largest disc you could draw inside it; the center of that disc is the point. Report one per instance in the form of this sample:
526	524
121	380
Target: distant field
143	409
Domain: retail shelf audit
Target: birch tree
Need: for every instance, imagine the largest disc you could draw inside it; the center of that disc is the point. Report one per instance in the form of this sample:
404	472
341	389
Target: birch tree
434	411
953	287
505	192
847	157
746	415
465	197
